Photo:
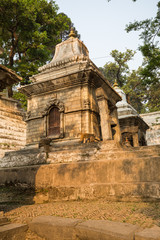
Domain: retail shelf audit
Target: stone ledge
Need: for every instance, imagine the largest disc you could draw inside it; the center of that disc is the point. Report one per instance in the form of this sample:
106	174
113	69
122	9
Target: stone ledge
148	234
13	231
107	230
68	229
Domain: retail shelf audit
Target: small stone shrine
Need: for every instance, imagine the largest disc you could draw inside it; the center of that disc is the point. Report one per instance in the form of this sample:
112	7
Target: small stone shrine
70	100
133	127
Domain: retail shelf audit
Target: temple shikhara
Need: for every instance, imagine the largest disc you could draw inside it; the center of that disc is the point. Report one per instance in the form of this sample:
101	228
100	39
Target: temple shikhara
70	99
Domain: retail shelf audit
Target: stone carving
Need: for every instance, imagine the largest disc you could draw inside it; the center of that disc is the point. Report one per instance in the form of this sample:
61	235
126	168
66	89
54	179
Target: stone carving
53	101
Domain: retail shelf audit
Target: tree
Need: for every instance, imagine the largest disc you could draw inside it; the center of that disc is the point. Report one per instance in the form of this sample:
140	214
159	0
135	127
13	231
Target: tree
29	31
149	73
129	81
150	48
136	91
119	68
109	70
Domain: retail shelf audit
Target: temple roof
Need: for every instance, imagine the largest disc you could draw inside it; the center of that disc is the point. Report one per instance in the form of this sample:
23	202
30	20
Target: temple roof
71	57
71	50
7	77
124	109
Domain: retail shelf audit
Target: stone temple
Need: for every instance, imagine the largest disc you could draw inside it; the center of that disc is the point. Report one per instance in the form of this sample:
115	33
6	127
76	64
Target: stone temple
69	100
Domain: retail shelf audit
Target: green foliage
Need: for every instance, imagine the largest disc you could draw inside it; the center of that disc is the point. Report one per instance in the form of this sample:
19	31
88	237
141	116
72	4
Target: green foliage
121	60
150	48
129	81
110	70
119	68
135	91
21	98
29	31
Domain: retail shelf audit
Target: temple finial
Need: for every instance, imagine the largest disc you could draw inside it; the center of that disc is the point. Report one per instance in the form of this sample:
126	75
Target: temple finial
115	85
72	33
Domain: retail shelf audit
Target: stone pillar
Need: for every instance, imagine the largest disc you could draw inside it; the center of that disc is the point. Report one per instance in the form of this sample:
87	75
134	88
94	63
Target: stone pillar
135	140
117	136
105	118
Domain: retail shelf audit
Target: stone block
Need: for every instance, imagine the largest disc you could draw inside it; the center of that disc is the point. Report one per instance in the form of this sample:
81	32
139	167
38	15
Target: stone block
56	228
106	230
3	221
148	234
13	231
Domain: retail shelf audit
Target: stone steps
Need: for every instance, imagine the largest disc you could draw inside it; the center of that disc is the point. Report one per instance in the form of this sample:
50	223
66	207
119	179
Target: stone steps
86	152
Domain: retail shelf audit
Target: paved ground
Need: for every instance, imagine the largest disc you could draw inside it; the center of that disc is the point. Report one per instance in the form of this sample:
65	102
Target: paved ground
143	214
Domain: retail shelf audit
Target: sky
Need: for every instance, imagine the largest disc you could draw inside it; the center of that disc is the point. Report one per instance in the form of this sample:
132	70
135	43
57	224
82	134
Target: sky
101	25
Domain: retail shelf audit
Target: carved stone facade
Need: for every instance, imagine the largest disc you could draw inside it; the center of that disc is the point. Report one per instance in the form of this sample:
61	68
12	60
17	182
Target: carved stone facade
83	99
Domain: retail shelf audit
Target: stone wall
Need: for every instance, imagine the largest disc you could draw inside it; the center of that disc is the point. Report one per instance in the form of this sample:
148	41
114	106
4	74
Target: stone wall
126	175
153	133
12	126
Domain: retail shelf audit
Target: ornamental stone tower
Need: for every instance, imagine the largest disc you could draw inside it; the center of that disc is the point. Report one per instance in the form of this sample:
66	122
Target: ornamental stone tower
70	99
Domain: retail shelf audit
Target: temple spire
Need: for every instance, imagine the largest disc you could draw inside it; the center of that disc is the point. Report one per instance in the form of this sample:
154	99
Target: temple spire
115	85
72	33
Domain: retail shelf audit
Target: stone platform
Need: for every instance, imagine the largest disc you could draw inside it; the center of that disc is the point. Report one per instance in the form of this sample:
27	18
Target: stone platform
90	171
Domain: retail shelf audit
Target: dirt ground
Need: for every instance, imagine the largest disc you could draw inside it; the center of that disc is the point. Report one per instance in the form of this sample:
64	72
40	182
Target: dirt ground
140	213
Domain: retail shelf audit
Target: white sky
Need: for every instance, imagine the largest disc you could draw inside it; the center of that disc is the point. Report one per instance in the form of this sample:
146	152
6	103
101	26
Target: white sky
101	25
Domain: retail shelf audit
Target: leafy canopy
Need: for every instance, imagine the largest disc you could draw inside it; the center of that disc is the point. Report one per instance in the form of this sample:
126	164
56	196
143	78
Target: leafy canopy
119	68
29	31
129	81
150	49
149	72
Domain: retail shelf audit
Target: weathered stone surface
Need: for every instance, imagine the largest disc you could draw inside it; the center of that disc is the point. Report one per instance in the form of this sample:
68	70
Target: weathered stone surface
23	157
7	77
153	133
119	175
56	228
106	230
3	221
148	234
13	231
12	126
132	126
68	85
71	229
